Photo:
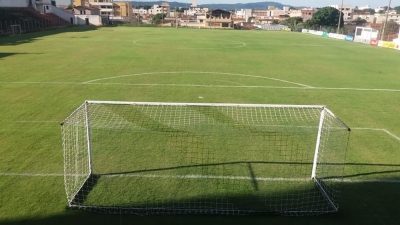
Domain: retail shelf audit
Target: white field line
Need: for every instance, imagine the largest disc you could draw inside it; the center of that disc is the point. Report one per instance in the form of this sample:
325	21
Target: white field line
238	44
206	86
231	74
376	129
31	174
225	81
198	176
36	121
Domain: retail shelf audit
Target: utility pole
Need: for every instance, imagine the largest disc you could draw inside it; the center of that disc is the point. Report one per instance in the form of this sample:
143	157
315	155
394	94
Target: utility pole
384	25
176	20
340	18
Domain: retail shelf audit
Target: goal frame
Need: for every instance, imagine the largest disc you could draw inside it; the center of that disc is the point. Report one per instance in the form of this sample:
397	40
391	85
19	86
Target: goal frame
313	173
15	29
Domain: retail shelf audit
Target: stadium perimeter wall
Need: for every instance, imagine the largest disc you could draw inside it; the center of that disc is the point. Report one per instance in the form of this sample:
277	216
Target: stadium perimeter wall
374	42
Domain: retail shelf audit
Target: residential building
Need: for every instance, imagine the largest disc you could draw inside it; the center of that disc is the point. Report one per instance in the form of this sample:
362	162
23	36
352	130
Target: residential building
195	11
295	13
111	8
363	15
140	11
106	6
244	13
347	11
85	10
63	3
216	19
79	3
163	8
307	13
381	18
123	9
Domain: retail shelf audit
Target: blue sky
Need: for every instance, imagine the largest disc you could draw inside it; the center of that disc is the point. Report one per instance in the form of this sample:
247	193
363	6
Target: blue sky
313	3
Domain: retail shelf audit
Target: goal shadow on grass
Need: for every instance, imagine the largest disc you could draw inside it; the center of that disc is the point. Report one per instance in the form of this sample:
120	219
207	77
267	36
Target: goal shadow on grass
199	192
361	203
34	36
7	54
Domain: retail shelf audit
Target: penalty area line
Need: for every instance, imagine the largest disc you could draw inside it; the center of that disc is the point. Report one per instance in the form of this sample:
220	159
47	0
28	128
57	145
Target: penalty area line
32	174
197	72
376	129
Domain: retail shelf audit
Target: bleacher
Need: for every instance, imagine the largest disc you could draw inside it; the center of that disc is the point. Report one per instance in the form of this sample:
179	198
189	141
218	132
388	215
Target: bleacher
28	19
273	27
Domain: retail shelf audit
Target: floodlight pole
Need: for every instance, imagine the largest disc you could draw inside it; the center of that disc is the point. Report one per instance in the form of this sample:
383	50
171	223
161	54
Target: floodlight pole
384	25
340	18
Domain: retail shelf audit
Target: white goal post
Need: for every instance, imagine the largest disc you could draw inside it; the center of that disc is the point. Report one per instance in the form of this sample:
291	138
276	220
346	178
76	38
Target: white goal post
203	158
15	29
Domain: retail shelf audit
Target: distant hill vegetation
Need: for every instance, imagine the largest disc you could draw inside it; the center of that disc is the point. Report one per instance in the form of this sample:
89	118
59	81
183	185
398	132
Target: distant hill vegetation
255	5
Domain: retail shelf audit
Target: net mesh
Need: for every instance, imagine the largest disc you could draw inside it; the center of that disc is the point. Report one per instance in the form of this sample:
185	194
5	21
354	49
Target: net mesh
160	158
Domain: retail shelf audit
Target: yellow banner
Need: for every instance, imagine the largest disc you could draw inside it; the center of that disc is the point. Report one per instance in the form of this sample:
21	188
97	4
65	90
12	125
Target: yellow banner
387	44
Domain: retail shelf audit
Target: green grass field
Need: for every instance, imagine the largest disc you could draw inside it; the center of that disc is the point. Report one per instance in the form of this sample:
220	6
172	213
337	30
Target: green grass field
45	76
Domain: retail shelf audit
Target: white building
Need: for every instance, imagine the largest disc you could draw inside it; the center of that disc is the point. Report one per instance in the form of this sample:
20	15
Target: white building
244	13
347	11
140	11
163	8
106	8
63	3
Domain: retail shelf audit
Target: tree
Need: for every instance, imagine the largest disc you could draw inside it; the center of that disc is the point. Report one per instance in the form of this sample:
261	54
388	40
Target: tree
309	24
250	19
157	18
397	8
360	21
371	11
391	28
327	17
292	22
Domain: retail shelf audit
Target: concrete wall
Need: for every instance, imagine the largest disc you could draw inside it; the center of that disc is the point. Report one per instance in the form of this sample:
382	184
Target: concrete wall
60	13
15	3
63	3
93	20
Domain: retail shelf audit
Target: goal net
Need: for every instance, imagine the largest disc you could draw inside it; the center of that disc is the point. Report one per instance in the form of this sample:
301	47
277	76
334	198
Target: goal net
177	158
15	29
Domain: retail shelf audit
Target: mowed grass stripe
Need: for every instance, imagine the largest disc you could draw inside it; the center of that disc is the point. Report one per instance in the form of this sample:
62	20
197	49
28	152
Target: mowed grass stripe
75	55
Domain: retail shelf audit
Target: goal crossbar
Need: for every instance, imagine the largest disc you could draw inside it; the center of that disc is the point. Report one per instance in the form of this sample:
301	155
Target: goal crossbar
205	104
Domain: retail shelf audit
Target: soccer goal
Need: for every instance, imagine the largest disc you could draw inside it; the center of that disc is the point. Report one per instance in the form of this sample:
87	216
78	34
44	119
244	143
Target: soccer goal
15	29
181	158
